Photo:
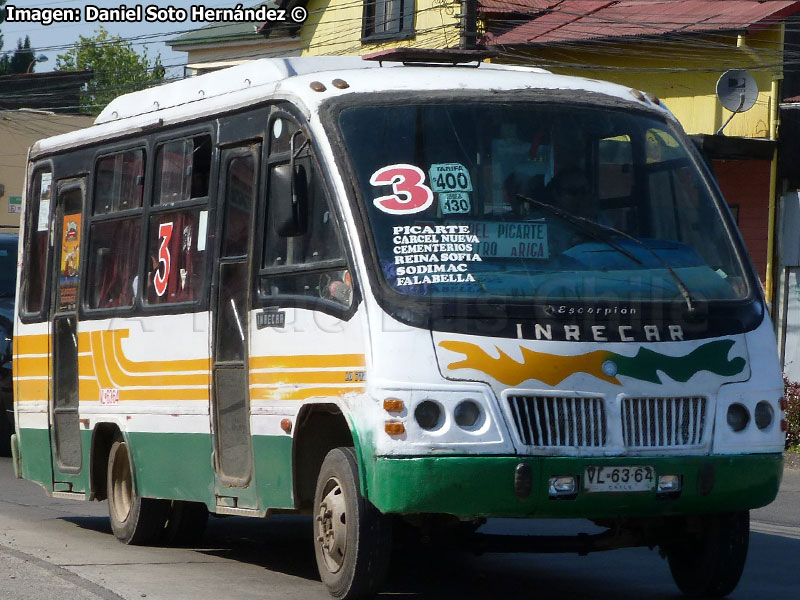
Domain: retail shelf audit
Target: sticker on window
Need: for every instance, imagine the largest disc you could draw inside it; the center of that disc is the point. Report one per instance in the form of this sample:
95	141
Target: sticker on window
508	239
453	203
410	194
450	177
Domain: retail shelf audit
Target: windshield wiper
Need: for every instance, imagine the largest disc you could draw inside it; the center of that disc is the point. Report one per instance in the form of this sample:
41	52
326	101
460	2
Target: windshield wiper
600	233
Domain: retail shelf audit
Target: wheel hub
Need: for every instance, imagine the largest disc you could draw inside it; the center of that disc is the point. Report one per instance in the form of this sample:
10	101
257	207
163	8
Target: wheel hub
332	525
122	485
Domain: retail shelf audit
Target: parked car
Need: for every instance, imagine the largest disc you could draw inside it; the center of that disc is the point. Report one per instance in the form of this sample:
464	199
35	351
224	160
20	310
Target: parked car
8	280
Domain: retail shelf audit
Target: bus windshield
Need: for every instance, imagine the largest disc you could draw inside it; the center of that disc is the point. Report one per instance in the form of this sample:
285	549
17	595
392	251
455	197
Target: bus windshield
527	201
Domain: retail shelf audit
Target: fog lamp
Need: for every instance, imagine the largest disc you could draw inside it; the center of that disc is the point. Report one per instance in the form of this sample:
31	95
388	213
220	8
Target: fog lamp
763	414
669	484
738	417
565	485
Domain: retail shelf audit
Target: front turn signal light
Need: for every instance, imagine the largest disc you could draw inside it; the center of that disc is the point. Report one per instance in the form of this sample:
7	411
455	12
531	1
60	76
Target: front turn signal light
393	405
394	428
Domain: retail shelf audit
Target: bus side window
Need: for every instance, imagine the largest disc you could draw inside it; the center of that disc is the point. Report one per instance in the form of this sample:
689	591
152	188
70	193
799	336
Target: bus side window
313	263
114	243
119	182
175	267
182	170
113	258
36	241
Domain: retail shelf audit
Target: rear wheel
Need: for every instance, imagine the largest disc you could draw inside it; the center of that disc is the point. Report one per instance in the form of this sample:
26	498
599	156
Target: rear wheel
134	520
707	553
353	539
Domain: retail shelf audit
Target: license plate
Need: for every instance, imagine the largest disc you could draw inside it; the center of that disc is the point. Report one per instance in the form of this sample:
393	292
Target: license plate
618	479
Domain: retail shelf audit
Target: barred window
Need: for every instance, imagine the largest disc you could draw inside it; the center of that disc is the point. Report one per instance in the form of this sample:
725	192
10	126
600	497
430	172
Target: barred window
388	19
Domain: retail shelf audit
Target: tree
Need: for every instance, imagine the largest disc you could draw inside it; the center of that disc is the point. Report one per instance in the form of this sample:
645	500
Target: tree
118	68
22	58
4	58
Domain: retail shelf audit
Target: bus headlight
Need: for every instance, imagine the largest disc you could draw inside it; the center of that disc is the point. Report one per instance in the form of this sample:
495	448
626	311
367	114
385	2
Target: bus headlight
467	413
428	414
764	415
738	417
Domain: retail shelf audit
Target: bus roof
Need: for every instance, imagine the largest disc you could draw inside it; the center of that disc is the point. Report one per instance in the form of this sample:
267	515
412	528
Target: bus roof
259	80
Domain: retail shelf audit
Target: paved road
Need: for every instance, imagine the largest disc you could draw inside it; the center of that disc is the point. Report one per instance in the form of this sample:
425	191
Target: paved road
64	549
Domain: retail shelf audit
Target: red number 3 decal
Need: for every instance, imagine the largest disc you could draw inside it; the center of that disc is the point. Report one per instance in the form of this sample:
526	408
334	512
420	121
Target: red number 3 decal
160	280
410	195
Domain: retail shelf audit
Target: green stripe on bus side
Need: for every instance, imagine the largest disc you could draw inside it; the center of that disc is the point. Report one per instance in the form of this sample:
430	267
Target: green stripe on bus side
34	450
273	470
178	466
171	465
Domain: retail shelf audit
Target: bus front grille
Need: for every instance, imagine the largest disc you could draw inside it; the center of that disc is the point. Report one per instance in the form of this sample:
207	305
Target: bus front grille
663	422
548	421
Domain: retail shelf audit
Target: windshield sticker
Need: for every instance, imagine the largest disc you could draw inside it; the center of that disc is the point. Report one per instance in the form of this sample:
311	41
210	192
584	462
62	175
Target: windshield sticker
410	194
454	203
508	239
432	254
450	177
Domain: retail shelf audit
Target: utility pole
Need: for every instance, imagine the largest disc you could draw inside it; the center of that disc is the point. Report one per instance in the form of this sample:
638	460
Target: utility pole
469	25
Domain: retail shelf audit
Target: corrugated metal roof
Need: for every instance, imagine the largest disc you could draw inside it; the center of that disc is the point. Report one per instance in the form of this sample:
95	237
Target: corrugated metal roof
515	6
577	20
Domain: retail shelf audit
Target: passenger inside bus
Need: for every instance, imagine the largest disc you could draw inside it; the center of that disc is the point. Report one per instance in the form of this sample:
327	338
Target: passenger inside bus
569	190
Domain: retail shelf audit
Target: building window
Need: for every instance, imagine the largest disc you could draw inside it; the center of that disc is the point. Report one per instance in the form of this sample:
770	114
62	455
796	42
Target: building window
388	19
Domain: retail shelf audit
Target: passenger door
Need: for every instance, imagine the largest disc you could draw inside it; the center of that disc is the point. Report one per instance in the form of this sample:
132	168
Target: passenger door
233	449
66	435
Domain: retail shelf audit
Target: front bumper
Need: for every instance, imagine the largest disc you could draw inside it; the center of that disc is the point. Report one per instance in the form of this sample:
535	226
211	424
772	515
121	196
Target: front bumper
483	486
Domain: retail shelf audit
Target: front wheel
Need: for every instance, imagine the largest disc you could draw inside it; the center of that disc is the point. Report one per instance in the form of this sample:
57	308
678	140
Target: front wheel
352	538
134	520
707	553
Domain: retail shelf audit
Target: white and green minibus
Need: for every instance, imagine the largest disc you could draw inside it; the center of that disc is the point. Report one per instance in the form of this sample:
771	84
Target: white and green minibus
387	291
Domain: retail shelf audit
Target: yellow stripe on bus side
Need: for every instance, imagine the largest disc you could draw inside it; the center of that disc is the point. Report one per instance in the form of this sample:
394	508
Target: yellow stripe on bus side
101	372
29	390
309	361
32	344
88	390
156	394
32	366
114	358
166	367
331	377
302	393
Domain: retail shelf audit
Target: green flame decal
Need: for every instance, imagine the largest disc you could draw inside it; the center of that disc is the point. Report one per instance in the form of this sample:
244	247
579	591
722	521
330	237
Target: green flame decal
711	357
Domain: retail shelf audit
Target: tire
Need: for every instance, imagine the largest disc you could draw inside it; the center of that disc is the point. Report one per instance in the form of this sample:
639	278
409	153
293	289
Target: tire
707	555
353	540
186	523
134	520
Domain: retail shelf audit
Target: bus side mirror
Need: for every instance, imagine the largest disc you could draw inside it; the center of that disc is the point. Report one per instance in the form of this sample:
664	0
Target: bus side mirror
289	199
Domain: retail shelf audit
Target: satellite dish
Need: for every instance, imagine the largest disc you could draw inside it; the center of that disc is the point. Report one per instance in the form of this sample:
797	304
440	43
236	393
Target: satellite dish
737	91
